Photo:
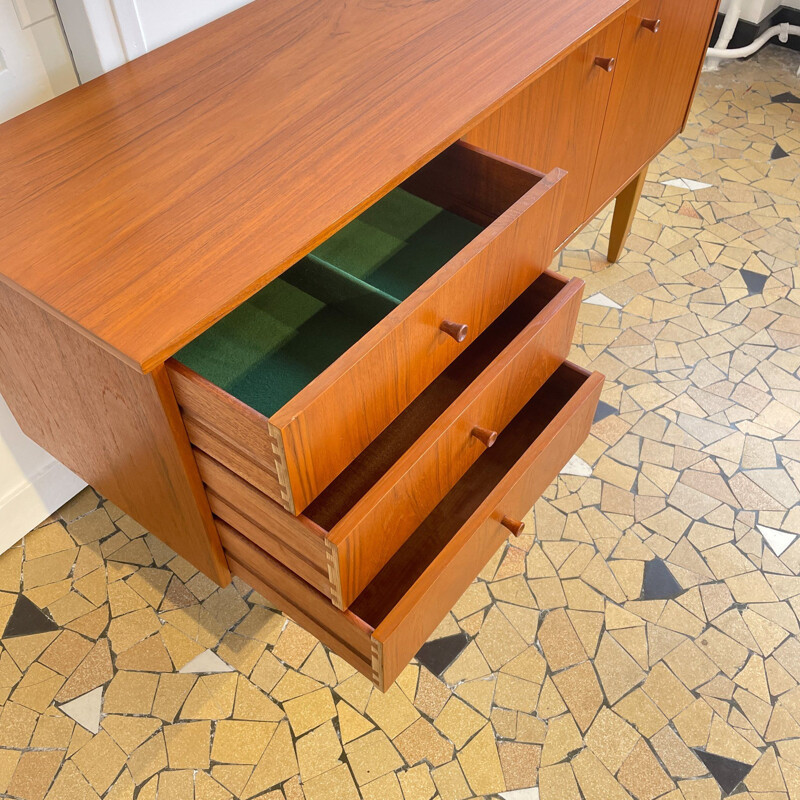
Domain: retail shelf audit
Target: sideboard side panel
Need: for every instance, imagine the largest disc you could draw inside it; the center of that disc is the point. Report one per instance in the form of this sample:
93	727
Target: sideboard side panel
119	429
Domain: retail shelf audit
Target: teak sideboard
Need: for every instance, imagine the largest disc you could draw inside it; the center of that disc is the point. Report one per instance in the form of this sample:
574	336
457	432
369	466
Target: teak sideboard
279	289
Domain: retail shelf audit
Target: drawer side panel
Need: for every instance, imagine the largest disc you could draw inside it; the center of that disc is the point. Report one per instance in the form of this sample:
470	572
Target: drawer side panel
345	634
232	432
292	534
290	553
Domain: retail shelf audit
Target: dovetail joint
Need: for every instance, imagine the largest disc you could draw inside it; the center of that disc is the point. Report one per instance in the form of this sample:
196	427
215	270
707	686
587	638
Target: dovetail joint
377	664
281	468
334	575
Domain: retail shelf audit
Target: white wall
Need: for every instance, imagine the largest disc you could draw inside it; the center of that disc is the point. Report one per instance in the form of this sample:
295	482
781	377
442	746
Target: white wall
35	66
161	22
756	10
32	483
35	63
93	35
105	33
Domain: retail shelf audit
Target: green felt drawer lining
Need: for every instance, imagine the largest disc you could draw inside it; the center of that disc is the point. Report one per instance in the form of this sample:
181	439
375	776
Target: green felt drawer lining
398	243
269	348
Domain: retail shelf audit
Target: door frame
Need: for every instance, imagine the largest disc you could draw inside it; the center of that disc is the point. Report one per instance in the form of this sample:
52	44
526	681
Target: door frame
36	67
102	34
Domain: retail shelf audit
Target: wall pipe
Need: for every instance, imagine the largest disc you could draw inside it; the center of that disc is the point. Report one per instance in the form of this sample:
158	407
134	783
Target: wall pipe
720	50
732	16
782	31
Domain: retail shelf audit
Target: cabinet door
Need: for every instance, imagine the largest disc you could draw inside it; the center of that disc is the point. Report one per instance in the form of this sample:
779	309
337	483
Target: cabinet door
557	121
663	44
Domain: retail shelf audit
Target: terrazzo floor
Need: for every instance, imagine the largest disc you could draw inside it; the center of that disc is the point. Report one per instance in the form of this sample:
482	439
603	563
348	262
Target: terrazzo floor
640	640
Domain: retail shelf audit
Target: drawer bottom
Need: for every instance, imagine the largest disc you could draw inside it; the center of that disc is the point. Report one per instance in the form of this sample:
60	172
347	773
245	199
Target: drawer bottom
396	613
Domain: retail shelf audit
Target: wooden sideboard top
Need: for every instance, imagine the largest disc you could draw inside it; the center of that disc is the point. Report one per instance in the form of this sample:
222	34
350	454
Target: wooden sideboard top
146	204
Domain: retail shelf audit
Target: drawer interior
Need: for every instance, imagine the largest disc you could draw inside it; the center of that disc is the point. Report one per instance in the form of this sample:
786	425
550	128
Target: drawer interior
277	342
396	244
365	471
443	523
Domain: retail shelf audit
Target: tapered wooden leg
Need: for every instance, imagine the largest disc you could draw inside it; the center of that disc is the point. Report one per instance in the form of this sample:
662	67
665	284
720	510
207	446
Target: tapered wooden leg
624	211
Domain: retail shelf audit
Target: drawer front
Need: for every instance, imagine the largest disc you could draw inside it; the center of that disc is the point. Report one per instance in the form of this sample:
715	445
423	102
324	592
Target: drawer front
369	535
557	121
391	620
408	625
329	423
653	85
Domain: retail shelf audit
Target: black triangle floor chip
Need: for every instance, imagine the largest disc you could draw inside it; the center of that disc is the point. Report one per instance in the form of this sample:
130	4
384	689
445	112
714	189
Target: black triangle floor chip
726	772
659	583
785	97
778	152
27	619
439	654
754	281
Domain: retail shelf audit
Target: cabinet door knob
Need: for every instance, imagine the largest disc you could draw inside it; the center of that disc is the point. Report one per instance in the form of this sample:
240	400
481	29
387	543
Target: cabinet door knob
606	64
514	525
486	437
458	332
652	25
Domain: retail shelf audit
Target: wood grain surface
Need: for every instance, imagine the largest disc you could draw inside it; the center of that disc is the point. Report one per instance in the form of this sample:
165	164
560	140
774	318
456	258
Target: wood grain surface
342	632
230	418
323	428
147	203
298	533
289	550
383	630
625	207
121	431
233	458
231	432
557	121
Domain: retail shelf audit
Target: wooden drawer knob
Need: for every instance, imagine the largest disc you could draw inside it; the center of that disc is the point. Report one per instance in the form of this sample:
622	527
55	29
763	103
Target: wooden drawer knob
652	25
486	437
514	525
458	332
606	64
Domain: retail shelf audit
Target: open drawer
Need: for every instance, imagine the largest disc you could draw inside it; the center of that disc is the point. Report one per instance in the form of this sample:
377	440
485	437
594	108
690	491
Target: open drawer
299	379
343	538
394	615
